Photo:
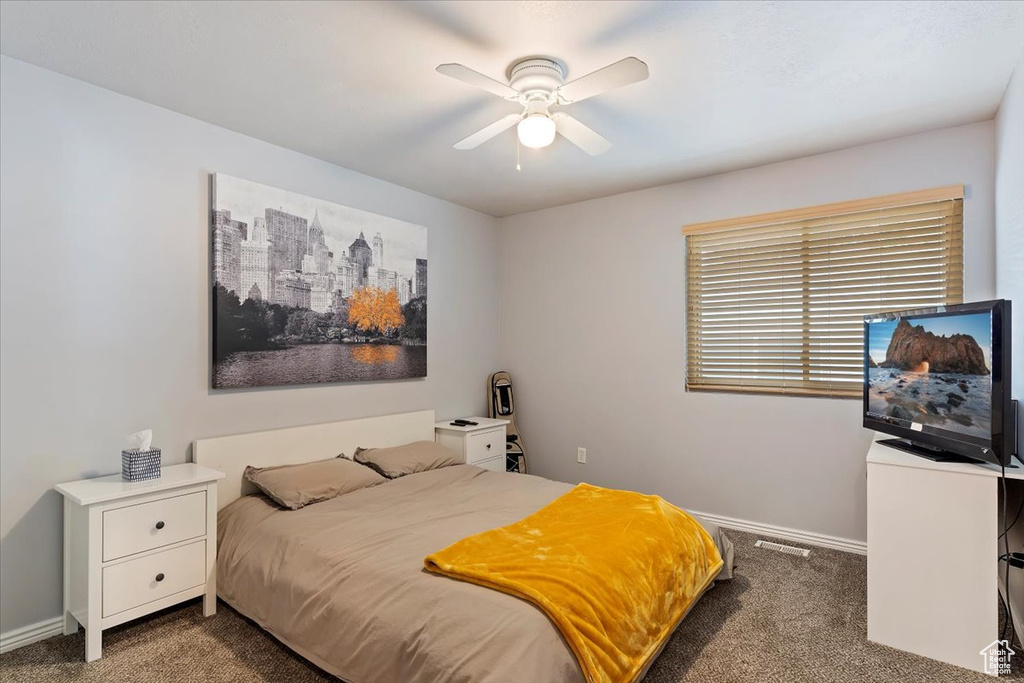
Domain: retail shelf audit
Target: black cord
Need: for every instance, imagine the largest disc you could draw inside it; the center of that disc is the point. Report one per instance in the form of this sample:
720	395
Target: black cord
1006	549
1006	608
1015	517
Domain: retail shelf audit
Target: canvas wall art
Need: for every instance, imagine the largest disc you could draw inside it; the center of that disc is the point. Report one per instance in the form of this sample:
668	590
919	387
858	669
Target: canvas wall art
307	291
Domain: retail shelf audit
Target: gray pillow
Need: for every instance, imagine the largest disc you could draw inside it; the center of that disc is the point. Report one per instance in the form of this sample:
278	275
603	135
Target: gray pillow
399	461
295	486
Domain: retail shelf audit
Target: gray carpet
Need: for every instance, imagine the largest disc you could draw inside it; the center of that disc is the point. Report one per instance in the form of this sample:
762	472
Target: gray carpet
782	619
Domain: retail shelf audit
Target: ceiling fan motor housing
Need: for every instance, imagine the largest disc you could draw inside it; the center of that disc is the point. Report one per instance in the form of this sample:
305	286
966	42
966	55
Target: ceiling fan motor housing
538	75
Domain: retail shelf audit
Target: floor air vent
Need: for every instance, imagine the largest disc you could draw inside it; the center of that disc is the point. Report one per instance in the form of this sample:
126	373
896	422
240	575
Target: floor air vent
778	547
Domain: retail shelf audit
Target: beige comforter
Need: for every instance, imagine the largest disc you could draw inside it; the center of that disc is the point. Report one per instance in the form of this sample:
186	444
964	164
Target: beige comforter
342	582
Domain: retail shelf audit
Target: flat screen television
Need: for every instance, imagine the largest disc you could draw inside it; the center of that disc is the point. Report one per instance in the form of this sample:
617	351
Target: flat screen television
938	379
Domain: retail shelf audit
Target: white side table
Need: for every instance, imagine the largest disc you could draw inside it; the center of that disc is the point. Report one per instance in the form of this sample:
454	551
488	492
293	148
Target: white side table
132	548
482	444
933	544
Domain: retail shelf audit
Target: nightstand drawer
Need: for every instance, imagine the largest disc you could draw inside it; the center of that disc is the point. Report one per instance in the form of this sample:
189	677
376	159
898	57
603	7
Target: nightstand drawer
485	445
137	528
152	577
494	464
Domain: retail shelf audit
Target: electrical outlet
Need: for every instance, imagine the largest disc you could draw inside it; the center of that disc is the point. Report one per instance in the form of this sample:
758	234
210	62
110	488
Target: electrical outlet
581	455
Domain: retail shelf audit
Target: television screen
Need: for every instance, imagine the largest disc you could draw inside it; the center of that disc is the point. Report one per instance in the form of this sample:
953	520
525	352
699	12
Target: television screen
932	374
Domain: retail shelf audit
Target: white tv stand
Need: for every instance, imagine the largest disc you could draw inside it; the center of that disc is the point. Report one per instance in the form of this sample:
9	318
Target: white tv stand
933	562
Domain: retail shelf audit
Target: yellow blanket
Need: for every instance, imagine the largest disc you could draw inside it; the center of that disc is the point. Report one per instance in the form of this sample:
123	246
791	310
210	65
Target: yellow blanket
614	570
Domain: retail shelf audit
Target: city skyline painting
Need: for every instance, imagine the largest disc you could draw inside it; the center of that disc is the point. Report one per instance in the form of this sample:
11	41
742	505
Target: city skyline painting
307	291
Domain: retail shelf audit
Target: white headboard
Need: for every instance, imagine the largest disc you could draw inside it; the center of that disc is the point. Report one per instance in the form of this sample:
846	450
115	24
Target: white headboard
231	454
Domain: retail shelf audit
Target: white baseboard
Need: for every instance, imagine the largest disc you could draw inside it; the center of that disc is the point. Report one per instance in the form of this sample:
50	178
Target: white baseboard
33	633
805	537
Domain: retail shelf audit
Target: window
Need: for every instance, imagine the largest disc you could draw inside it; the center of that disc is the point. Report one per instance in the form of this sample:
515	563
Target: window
775	302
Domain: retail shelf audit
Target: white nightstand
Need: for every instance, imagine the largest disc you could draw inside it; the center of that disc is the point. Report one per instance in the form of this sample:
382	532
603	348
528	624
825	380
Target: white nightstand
482	444
131	548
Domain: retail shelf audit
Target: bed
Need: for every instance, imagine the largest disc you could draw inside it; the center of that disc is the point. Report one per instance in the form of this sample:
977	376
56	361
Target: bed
341	582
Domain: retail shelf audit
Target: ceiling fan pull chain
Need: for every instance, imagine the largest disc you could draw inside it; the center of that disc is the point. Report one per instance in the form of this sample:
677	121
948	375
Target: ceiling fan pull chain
518	167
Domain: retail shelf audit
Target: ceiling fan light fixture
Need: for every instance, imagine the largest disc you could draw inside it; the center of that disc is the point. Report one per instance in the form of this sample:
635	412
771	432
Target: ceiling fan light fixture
536	131
538	83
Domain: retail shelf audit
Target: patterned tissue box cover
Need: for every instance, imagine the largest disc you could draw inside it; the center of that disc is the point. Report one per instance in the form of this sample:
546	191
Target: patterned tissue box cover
138	465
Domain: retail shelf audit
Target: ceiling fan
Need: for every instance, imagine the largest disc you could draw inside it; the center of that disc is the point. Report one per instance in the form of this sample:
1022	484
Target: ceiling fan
538	85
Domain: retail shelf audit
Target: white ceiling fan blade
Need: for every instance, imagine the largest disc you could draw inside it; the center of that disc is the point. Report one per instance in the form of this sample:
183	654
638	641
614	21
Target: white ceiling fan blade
484	134
477	79
579	135
622	72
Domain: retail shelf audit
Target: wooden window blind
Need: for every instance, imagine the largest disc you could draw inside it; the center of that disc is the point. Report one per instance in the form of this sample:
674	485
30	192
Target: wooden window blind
775	302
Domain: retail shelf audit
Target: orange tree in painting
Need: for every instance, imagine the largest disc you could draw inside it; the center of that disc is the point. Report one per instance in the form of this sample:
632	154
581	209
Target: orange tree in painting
372	309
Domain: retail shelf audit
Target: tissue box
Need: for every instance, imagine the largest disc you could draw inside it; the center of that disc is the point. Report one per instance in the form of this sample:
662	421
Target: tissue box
139	465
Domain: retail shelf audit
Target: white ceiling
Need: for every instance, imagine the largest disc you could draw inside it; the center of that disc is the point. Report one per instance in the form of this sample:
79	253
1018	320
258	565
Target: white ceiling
733	84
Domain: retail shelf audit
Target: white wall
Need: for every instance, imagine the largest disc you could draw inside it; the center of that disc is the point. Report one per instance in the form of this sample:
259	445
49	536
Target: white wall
1009	207
104	330
592	330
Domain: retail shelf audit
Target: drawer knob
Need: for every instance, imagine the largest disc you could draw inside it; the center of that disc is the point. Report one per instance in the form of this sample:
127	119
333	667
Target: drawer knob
160	576
159	525
488	446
